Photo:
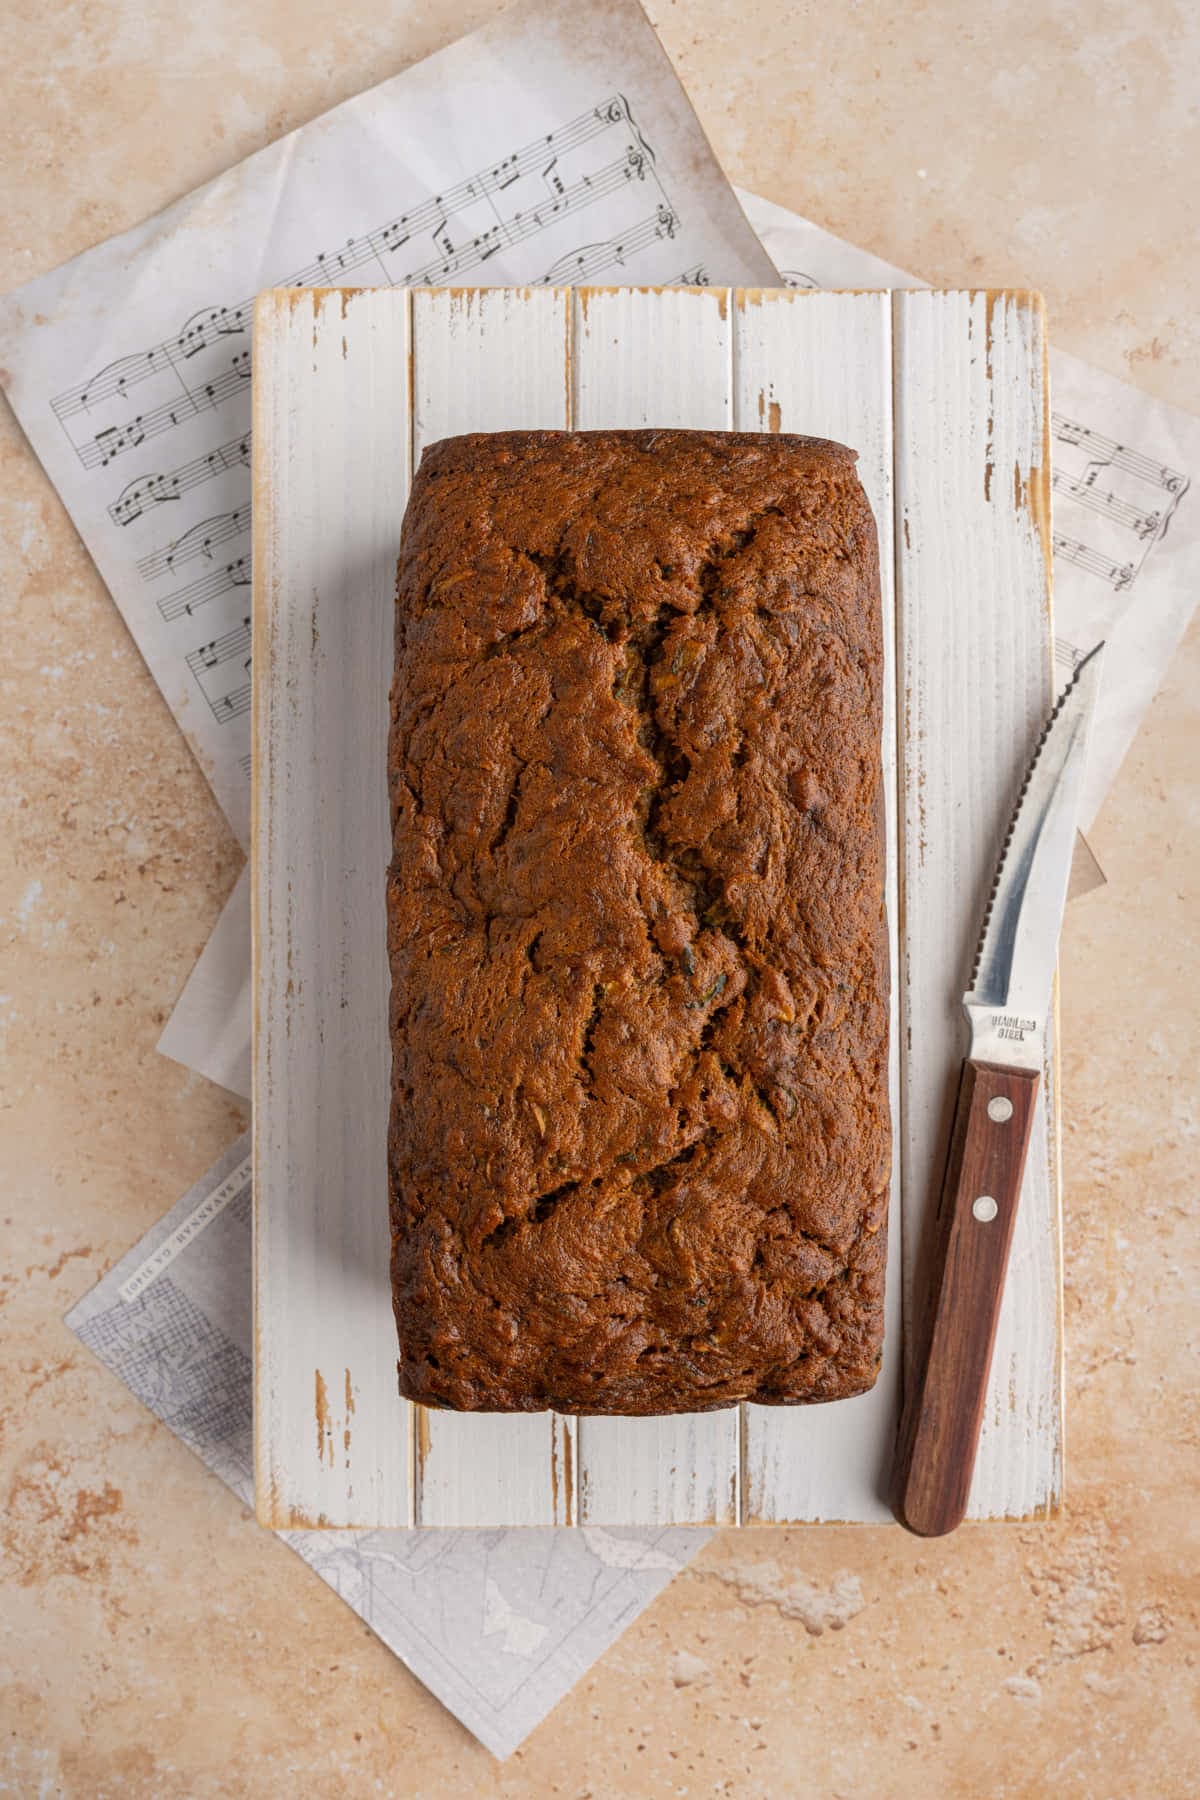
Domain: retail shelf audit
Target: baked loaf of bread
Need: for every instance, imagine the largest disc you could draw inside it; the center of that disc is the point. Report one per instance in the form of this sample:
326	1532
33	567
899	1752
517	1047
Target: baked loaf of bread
639	1146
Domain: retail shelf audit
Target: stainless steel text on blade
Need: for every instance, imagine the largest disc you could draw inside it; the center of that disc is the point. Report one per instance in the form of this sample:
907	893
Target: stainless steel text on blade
1009	997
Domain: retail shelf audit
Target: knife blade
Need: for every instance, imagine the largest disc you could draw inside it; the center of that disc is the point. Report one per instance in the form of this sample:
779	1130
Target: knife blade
1007	1004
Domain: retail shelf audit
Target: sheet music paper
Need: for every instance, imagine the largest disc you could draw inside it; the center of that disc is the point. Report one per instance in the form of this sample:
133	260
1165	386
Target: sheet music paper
555	145
209	1028
1126	546
1126	512
498	1624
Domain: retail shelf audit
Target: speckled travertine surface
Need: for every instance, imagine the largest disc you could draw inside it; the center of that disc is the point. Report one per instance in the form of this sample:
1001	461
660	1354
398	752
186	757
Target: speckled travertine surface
153	1641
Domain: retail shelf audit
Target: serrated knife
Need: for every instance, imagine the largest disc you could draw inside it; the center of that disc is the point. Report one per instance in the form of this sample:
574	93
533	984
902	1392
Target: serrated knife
1007	1006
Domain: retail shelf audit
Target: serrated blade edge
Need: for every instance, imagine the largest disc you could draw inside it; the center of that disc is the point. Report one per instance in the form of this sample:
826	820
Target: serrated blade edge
1018	942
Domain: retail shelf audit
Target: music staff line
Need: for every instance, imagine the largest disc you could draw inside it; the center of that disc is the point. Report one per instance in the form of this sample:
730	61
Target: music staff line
1107	450
1147	523
1144	525
199	541
221	649
188	600
1118	575
232	705
592	258
115	440
211	325
231	646
157	490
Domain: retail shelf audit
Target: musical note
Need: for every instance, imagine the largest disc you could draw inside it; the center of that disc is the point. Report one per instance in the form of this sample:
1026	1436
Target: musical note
392	236
613	112
206	659
115	440
209	326
198	541
221	649
522	225
1118	575
136	497
1106	450
439	232
335	263
114	378
695	277
1111	505
198	593
200	331
592	259
1112	484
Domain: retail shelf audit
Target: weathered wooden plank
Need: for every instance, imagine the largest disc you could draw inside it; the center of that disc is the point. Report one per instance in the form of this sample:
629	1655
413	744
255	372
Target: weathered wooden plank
330	483
821	364
973	613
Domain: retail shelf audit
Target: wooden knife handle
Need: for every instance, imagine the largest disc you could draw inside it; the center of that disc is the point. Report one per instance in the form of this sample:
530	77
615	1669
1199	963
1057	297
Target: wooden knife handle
943	1406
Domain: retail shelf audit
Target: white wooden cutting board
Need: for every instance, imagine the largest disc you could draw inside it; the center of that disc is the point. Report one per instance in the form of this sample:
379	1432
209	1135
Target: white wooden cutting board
944	396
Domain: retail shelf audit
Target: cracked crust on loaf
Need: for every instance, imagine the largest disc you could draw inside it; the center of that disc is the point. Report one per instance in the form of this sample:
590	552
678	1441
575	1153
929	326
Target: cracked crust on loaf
639	1143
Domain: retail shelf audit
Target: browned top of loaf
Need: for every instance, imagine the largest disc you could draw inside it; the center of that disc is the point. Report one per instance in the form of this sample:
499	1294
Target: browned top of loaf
640	1140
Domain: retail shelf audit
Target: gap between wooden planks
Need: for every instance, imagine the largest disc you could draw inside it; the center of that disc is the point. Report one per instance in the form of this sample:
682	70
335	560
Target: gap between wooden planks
944	397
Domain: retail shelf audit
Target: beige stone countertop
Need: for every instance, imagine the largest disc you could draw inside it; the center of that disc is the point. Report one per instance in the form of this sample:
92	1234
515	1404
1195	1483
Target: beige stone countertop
153	1640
